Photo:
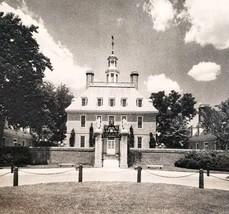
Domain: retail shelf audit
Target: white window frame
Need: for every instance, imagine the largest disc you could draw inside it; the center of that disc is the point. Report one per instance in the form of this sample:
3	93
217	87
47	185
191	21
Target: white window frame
124	116
137	102
111	116
84	98
124	98
82	137
139	137
84	121
99	98
111	98
142	122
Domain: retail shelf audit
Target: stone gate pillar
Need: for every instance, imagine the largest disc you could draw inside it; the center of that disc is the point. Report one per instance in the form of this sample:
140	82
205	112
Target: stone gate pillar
123	149
98	148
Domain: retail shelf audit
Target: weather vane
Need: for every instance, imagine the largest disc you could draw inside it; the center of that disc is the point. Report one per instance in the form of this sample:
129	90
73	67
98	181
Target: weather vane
112	44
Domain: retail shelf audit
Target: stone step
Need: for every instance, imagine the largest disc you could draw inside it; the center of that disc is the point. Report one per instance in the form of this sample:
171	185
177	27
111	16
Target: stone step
110	157
111	163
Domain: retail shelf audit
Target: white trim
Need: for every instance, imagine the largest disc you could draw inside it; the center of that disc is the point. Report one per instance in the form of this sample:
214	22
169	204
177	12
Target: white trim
81	120
111	116
142	122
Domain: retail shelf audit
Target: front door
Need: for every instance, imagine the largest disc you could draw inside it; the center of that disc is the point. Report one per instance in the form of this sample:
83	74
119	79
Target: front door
111	147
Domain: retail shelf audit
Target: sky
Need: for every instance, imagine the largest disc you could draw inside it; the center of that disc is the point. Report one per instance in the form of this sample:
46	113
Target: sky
180	45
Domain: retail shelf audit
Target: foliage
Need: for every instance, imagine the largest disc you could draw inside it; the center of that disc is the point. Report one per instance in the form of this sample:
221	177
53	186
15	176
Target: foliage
16	155
91	136
197	160
216	121
72	138
131	138
152	141
174	113
134	157
22	68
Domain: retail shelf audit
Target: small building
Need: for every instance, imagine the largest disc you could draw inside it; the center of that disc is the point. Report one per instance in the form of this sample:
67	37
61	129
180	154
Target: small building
203	141
14	138
109	108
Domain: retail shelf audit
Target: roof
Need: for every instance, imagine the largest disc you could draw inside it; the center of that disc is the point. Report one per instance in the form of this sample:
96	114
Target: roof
203	138
113	90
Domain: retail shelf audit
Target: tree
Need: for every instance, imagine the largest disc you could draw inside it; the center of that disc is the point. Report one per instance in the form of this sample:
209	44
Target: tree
174	113
152	141
131	138
63	99
91	136
216	121
22	68
72	138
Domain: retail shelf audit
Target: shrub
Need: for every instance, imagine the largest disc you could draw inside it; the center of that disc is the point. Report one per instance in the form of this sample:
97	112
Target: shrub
16	155
197	160
134	157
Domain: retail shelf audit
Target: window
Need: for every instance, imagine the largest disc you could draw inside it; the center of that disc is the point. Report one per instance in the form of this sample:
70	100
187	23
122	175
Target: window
112	102
124	117
111	119
205	145
112	77
124	102
99	116
140	122
197	146
82	141
139	142
99	101
83	120
84	101
23	143
139	102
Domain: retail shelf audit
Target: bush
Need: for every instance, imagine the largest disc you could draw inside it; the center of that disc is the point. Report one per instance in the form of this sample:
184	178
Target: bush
16	155
197	160
134	157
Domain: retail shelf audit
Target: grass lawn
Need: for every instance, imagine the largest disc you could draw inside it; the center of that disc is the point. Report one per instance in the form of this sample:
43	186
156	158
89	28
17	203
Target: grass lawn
112	197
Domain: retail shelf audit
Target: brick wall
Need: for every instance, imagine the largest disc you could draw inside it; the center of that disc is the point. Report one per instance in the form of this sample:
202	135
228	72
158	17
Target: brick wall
63	155
167	157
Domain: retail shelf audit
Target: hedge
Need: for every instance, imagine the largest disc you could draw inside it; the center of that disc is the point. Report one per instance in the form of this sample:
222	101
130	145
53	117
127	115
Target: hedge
196	160
15	155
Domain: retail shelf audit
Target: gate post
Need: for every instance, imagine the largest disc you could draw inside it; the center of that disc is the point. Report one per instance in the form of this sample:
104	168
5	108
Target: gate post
123	149
15	175
98	148
139	176
201	179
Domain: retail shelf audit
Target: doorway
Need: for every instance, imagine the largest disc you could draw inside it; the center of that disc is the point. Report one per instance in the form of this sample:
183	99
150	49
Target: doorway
111	146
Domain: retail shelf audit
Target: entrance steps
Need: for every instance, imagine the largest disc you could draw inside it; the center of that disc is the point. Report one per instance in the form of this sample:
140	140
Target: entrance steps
110	161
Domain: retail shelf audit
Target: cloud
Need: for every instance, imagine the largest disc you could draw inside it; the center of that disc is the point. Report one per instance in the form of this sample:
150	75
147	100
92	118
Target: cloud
65	71
205	71
160	82
161	12
210	22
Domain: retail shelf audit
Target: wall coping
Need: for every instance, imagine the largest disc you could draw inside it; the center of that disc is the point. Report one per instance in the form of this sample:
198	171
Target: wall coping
181	151
63	149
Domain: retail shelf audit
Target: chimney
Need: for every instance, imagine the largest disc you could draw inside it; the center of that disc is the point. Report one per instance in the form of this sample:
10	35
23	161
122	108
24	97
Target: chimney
89	78
134	78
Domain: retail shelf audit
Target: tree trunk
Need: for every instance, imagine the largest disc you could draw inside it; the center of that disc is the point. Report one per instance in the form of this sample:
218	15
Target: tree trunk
2	124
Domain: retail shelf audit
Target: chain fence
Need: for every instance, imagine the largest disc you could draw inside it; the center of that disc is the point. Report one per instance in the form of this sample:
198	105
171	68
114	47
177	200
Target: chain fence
1	175
223	179
43	173
165	176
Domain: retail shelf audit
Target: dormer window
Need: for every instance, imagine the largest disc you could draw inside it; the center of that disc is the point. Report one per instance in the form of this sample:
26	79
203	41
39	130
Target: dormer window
139	102
84	101
99	101
112	102
112	77
124	102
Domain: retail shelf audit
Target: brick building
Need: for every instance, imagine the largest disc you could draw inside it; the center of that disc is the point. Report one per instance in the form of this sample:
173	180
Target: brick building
111	107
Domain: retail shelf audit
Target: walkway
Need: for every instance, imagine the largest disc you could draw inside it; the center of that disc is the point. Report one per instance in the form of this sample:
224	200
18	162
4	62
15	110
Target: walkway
36	176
